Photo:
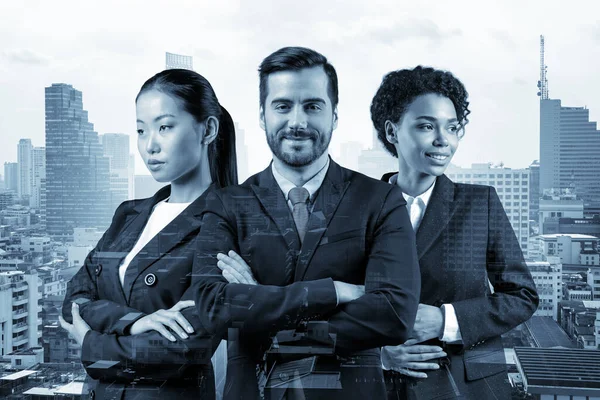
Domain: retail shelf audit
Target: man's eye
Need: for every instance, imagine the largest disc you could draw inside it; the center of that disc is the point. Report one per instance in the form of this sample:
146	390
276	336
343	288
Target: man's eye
140	131
163	128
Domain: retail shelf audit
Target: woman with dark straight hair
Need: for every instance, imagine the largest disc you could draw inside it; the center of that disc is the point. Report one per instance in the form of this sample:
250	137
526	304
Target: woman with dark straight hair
129	306
475	285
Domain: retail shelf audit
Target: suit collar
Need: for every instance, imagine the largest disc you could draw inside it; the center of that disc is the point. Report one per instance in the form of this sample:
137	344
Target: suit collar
438	213
326	201
186	223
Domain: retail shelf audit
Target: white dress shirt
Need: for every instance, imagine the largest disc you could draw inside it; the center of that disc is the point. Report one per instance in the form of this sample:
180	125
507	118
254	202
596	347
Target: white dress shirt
162	214
451	329
312	185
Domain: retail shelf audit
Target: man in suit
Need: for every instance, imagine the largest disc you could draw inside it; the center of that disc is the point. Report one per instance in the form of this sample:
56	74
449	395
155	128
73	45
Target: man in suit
312	233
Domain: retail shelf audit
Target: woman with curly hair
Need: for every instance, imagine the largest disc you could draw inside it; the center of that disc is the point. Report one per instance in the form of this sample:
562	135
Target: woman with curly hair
475	284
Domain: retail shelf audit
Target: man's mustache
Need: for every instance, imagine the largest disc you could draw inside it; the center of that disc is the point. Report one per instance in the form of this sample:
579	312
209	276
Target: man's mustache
298	134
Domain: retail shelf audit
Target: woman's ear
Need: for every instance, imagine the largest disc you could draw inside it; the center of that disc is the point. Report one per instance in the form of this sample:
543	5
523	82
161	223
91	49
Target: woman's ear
211	131
391	132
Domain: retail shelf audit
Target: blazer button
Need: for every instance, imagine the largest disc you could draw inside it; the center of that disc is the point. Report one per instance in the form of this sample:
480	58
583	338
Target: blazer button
98	269
150	279
92	394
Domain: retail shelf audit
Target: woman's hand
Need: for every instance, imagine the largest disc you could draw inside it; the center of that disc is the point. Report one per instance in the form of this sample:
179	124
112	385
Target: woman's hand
235	269
410	358
78	328
162	319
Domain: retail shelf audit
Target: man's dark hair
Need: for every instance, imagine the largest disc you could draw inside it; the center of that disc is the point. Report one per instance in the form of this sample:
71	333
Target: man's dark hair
400	88
294	59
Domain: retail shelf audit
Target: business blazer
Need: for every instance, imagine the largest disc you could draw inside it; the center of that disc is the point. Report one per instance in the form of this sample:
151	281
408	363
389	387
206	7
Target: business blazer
147	364
358	232
464	239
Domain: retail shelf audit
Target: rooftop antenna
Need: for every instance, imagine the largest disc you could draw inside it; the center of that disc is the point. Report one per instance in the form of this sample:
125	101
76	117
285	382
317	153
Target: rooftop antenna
543	82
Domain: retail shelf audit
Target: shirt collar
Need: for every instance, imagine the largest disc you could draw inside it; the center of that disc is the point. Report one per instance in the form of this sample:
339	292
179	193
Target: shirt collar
312	185
425	196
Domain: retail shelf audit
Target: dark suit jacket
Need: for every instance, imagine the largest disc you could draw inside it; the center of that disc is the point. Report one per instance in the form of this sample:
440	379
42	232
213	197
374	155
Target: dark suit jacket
358	232
464	239
109	354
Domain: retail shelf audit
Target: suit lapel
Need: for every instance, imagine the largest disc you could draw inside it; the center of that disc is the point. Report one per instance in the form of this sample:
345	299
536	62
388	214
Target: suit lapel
271	197
328	198
438	213
188	221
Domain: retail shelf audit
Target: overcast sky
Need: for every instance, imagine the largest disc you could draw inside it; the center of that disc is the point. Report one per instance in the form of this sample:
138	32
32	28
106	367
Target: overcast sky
107	49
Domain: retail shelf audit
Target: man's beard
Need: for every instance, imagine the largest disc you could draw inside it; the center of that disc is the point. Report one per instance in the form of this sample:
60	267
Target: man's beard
297	158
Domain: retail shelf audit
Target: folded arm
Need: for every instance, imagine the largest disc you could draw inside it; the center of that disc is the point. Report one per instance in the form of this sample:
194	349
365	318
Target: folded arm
384	315
102	315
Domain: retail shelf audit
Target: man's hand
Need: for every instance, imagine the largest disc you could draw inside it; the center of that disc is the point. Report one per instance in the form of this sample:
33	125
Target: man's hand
429	323
78	328
410	358
235	269
162	319
346	292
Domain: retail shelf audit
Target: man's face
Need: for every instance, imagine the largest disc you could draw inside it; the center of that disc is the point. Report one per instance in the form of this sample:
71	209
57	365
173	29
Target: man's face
298	117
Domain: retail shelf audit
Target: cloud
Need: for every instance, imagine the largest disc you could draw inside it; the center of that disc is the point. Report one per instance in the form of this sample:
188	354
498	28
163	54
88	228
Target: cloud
503	37
411	29
26	56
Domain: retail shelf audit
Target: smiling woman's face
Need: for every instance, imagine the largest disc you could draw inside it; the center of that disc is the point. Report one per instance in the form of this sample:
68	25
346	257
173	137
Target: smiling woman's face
426	136
169	138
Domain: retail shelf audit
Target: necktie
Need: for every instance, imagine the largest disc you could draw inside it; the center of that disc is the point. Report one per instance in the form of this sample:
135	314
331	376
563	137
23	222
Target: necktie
299	198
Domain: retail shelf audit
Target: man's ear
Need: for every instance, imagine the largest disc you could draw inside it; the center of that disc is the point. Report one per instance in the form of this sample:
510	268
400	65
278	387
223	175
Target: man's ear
335	118
391	133
211	130
261	118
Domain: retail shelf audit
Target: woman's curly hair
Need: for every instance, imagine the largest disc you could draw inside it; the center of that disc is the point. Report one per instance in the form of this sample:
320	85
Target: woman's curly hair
399	88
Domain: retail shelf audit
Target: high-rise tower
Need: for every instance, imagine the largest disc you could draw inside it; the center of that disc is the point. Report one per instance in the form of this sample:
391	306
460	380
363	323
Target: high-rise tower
77	172
569	147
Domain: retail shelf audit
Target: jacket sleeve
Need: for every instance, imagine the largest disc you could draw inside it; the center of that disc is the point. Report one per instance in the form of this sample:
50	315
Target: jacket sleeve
514	299
384	315
148	354
251	308
102	315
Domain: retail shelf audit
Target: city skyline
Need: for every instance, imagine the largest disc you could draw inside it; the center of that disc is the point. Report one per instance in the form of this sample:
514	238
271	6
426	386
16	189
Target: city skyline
497	62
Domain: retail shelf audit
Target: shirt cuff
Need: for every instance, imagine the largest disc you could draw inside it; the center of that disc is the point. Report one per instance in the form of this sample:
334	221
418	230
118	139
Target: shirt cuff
451	328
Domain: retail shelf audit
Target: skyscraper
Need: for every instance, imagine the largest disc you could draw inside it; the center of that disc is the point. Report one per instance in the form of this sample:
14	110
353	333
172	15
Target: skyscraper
174	61
569	147
11	176
116	148
38	176
534	187
77	172
24	170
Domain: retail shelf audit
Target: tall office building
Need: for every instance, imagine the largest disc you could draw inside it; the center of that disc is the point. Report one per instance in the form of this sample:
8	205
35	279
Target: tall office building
116	148
512	186
77	172
38	176
174	61
569	147
11	176
534	190
24	168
